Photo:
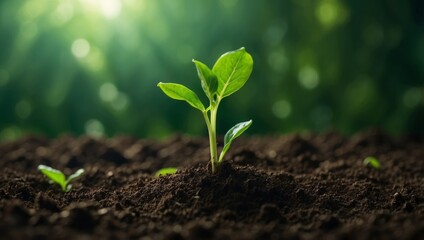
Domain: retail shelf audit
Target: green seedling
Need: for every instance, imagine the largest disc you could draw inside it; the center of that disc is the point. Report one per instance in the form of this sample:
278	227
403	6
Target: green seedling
228	75
58	177
165	171
373	162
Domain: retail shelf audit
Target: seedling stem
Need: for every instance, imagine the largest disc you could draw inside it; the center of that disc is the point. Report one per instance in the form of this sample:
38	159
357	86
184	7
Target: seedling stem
228	75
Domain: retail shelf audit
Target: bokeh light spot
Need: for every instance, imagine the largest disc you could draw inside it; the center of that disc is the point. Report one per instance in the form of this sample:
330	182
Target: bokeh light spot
308	77
281	109
95	61
330	13
278	60
110	8
108	92
228	3
80	48
274	34
120	102
23	109
327	12
63	13
11	133
94	128
412	97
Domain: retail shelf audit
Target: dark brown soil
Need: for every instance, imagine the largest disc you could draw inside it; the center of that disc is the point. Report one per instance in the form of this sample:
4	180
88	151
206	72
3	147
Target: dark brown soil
290	187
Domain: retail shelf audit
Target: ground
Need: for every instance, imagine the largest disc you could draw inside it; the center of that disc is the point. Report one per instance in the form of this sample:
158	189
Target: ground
308	186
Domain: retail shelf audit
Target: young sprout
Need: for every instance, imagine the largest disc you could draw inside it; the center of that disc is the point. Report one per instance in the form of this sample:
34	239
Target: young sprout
58	177
373	162
165	171
228	75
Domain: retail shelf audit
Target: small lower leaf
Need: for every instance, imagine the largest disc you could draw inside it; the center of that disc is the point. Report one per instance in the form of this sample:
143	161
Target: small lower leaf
373	162
232	134
76	175
54	175
165	171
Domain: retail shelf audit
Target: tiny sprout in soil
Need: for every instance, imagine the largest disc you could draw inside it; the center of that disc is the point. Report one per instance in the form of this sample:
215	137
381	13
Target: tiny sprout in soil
373	162
58	177
230	72
165	171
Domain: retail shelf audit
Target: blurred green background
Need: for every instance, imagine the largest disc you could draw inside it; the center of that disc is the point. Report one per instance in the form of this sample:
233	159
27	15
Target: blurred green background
91	66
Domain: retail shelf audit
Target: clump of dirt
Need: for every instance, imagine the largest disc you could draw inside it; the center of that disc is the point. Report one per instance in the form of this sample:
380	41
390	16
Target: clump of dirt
290	187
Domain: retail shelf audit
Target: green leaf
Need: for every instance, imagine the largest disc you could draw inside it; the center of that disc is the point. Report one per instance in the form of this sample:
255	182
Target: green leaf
165	171
208	79
233	70
373	162
76	175
180	92
232	134
54	175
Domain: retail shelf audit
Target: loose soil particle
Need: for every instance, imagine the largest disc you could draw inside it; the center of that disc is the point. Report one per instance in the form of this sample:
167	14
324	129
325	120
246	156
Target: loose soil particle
290	187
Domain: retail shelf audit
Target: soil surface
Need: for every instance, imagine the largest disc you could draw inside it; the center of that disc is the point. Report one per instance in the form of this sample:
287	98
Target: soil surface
290	187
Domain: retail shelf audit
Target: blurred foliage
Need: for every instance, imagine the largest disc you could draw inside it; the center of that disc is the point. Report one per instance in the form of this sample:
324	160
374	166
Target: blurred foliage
91	66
